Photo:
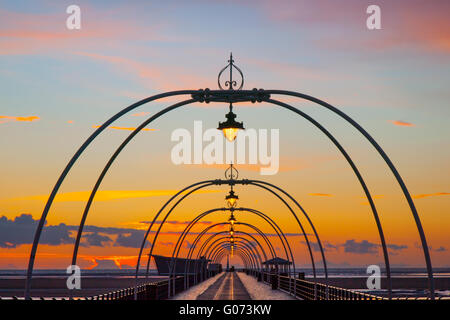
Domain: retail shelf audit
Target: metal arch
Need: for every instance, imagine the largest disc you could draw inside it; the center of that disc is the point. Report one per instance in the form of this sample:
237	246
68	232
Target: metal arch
163	221
307	241
253	211
232	96
178	247
69	166
257	264
106	168
385	158
218	182
202	215
179	243
261	215
222	251
243	233
245	244
225	250
239	250
316	234
156	217
301	227
269	244
108	165
359	177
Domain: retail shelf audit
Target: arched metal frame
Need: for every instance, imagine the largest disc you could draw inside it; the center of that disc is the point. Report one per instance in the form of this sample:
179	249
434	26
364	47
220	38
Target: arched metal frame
187	229
266	218
273	224
246	244
223	253
177	249
225	249
235	97
214	259
269	244
266	240
226	246
207	183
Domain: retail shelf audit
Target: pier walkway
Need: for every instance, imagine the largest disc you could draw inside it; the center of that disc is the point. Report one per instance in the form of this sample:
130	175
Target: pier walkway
227	287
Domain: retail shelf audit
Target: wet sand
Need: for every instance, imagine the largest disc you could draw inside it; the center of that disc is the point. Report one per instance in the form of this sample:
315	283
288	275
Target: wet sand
56	286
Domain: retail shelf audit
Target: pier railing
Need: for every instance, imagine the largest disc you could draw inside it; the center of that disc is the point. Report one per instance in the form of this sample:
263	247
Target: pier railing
158	290
308	290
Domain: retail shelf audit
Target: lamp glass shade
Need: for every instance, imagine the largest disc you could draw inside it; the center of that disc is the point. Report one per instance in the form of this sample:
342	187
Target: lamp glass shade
230	127
231	199
230	133
231	202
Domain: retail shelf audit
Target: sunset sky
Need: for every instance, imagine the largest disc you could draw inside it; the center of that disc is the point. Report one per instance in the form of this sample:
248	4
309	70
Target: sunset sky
57	85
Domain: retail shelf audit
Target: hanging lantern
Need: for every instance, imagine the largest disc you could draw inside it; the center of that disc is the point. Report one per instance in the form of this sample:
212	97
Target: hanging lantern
230	127
231	199
232	219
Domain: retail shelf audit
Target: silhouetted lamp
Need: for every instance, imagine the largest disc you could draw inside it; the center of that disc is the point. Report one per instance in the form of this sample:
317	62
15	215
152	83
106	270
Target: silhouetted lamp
231	230
232	219
230	127
231	199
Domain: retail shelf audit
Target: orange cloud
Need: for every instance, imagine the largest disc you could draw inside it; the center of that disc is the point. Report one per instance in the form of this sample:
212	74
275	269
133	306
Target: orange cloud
420	196
107	195
4	119
320	194
402	123
30	33
151	75
119	261
424	25
126	128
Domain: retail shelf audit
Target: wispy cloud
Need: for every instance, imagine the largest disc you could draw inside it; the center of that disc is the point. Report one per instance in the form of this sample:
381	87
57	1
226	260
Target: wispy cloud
320	194
125	128
424	25
107	195
426	195
4	119
402	123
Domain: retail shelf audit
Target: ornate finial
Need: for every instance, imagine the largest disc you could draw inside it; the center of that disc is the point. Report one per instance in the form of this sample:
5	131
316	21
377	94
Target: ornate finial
231	84
231	173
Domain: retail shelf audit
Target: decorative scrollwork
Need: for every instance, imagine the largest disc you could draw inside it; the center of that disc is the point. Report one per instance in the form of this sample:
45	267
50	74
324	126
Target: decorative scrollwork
231	84
231	173
207	95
